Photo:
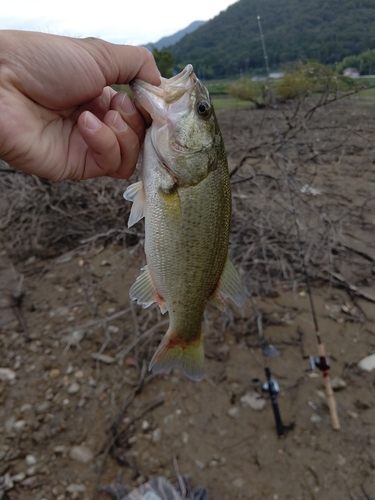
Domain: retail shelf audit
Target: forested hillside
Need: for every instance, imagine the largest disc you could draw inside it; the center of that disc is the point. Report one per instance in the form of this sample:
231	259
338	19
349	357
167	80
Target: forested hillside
325	30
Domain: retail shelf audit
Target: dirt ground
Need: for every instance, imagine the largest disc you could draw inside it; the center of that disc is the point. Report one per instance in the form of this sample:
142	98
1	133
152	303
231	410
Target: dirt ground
79	409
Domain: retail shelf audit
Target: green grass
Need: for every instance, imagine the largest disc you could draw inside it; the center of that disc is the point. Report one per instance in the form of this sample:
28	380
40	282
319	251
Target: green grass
228	103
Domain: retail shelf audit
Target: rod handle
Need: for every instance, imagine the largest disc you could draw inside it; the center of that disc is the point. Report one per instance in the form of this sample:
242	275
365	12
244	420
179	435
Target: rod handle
330	397
331	401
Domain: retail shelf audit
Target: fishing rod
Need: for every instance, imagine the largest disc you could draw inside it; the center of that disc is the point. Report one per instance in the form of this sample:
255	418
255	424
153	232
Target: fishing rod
322	361
270	385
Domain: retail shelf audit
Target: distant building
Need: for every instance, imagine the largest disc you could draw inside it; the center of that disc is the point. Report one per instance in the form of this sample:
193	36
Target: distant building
351	72
273	76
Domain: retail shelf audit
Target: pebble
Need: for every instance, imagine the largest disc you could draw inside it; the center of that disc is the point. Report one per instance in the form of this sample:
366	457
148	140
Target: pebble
156	435
185	437
81	454
54	373
19	425
352	414
74	388
113	329
252	400
315	419
31	471
145	426
19	477
104	358
234	412
25	408
76	488
7	375
30	460
199	464
338	383
60	449
42	407
367	363
238	483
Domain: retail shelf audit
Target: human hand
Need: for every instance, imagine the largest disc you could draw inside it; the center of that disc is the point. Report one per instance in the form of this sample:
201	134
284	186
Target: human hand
59	118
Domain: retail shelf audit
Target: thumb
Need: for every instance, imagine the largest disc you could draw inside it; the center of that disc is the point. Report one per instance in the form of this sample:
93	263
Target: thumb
122	63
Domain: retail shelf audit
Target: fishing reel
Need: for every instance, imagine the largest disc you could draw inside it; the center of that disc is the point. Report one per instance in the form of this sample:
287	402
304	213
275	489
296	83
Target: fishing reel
271	386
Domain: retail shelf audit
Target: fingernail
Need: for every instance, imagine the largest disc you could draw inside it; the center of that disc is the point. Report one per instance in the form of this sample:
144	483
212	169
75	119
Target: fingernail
91	121
127	104
119	123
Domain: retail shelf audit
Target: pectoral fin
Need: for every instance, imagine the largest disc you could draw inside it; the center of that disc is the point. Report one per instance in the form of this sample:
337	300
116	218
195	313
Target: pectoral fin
145	293
136	194
229	286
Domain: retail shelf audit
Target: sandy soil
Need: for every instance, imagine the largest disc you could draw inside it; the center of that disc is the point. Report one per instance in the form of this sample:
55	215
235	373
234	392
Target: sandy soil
79	352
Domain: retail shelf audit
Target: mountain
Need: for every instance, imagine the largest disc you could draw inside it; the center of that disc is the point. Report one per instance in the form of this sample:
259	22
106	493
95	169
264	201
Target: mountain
172	39
324	30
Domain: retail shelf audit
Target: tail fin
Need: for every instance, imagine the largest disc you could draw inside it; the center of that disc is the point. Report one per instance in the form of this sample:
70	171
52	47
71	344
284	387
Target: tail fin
174	351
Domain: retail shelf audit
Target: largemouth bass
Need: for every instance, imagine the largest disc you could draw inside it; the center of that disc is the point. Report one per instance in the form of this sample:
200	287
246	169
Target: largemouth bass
185	198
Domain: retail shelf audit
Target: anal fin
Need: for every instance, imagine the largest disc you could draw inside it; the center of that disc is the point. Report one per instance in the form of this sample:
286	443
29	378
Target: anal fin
145	293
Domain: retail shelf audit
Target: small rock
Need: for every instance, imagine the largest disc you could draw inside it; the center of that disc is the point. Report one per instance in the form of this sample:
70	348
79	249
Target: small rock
9	422
19	477
60	449
338	383
25	408
42	407
74	388
104	358
238	483
76	488
30	460
315	419
185	437
7	375
321	394
145	426
234	412
29	481
213	463
81	454
31	471
252	400
113	329
54	373
341	460
19	425
156	435
367	363
352	414
199	464
79	374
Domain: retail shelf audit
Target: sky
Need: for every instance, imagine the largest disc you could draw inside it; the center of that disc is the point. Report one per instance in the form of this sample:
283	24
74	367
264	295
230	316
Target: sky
132	22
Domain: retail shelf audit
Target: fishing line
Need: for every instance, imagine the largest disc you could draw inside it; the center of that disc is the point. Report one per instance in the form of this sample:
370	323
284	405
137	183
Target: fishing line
322	362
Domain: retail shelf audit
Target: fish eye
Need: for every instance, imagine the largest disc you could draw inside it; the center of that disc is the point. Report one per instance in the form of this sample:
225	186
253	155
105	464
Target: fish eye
204	109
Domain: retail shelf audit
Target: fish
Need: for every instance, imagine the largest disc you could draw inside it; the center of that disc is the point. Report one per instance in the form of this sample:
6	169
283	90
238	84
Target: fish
184	196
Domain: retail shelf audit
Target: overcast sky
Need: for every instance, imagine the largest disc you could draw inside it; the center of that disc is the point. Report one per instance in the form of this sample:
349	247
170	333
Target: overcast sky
120	21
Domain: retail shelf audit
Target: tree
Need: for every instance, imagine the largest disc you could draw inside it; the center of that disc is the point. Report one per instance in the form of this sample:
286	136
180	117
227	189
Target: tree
164	61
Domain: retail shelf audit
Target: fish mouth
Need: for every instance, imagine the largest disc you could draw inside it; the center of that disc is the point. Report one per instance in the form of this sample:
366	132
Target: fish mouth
169	91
